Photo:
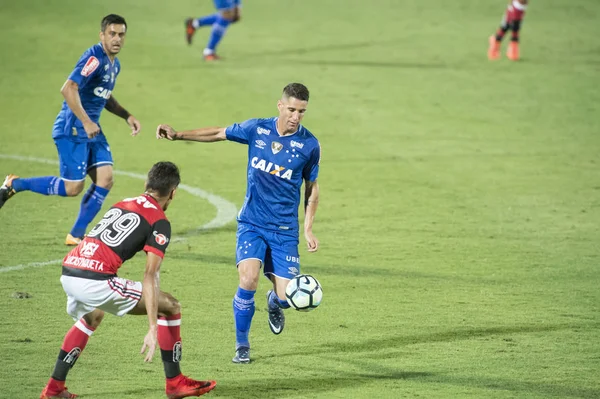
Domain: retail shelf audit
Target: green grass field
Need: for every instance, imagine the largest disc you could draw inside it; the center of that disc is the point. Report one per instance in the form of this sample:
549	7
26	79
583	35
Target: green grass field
460	199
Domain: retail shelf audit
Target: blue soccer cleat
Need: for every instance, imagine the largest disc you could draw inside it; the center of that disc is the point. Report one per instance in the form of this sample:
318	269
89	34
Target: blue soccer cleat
242	355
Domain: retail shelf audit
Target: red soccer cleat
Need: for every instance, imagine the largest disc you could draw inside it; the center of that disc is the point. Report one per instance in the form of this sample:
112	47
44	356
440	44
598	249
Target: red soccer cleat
183	387
56	389
494	49
513	51
189	30
211	57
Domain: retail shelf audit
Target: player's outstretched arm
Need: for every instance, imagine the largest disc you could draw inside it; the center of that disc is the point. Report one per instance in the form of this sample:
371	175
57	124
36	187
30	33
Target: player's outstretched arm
311	202
203	135
113	106
150	292
70	92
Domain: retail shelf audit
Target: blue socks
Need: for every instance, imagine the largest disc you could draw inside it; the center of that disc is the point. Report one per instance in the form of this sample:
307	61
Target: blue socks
243	311
47	185
90	206
205	21
275	302
218	31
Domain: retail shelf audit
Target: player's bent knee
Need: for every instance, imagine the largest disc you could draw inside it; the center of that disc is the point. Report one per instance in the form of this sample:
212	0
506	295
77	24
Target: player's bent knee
94	318
229	15
170	305
74	188
248	282
106	183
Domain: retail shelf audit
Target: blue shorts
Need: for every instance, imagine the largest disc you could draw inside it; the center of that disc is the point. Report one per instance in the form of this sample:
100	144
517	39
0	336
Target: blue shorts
226	4
77	158
277	252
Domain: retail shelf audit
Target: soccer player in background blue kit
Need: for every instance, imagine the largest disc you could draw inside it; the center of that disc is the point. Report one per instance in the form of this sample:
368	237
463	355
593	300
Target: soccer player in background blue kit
281	154
82	146
228	12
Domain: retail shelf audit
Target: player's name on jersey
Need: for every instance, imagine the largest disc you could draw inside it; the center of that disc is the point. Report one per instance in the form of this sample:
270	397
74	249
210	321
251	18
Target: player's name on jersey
83	263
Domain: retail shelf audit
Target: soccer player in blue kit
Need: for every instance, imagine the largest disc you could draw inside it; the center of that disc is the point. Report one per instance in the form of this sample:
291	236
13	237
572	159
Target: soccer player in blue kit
82	146
281	155
228	12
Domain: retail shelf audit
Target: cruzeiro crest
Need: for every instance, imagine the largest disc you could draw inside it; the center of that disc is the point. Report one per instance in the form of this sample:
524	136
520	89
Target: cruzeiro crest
276	147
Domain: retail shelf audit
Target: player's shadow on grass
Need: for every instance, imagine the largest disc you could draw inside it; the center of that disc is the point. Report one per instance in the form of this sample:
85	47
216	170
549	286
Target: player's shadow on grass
524	388
276	387
396	341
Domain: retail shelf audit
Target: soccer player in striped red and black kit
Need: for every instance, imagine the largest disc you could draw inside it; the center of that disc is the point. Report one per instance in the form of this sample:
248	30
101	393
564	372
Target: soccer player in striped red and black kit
512	20
89	278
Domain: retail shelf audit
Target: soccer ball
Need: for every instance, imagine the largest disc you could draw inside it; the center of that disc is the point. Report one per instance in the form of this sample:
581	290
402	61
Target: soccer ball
304	293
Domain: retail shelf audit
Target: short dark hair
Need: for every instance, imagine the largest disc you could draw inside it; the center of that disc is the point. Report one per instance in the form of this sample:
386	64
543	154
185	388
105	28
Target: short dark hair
163	178
296	90
112	19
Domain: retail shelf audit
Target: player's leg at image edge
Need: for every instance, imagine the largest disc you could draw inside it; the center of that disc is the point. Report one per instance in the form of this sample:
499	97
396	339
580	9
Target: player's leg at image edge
169	339
47	185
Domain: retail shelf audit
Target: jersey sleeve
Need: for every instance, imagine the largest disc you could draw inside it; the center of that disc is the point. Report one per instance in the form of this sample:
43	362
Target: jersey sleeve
241	132
158	240
86	67
311	170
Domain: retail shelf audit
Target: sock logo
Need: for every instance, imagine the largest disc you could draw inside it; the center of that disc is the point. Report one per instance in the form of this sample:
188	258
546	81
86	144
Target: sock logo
177	352
72	356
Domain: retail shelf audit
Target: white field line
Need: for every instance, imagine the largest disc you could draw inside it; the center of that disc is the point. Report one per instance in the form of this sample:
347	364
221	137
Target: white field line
226	211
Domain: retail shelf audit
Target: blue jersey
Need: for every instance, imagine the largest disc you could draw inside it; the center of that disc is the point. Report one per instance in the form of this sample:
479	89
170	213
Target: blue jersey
277	165
95	75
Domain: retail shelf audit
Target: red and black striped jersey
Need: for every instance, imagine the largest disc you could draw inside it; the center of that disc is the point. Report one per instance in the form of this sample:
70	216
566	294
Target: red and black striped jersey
130	226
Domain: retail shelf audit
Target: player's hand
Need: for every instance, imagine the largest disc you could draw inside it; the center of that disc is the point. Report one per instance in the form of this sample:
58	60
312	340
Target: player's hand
311	241
150	342
166	132
91	129
134	124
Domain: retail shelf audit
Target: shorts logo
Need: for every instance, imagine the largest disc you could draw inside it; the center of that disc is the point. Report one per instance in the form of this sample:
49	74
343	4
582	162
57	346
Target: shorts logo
296	144
264	131
260	144
177	352
293	259
88	249
293	270
72	356
90	66
276	147
160	239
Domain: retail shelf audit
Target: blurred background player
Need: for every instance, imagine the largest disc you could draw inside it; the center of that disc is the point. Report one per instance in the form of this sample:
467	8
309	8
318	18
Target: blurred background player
89	278
82	146
512	20
282	154
228	12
